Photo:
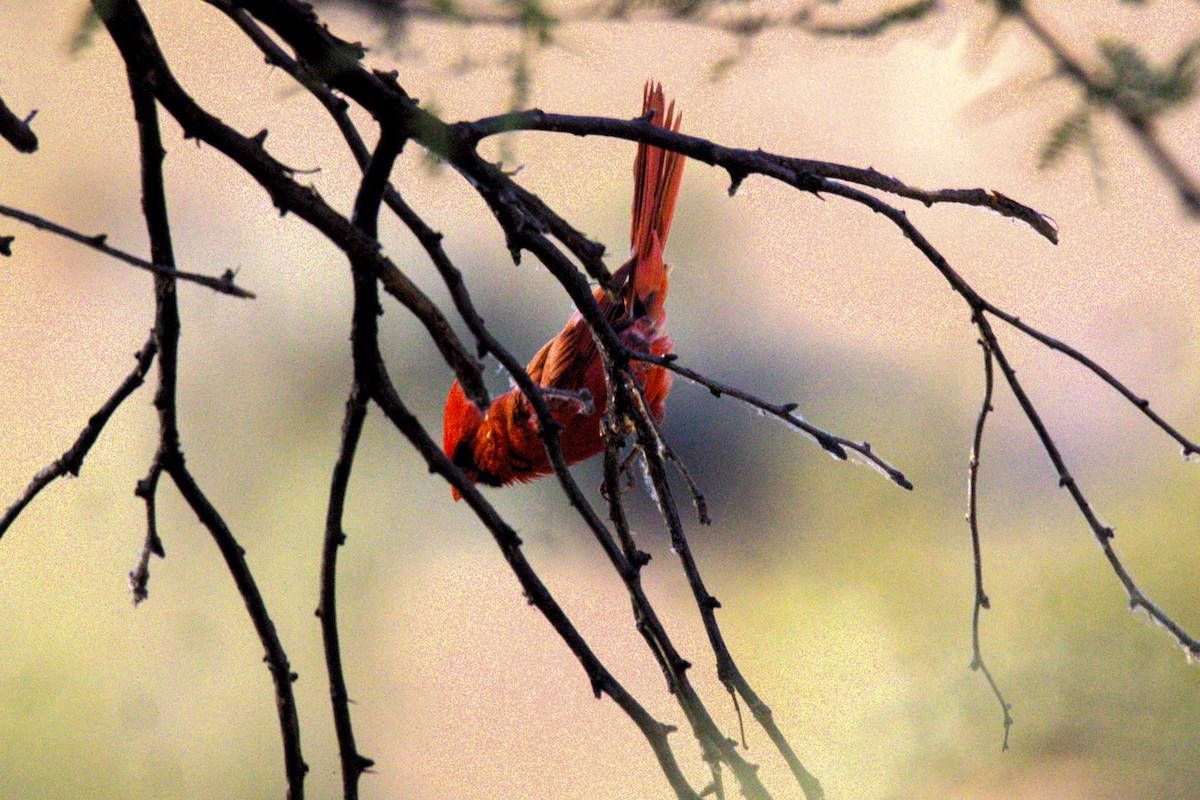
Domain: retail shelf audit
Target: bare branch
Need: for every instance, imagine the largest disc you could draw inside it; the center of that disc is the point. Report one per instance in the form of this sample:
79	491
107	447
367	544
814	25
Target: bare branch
740	163
170	456
833	444
136	42
1103	533
1141	403
353	762
365	349
727	670
70	462
981	598
225	284
17	130
978	306
667	454
139	578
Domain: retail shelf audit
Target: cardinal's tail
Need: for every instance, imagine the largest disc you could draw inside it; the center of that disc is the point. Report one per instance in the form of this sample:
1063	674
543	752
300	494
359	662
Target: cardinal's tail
656	175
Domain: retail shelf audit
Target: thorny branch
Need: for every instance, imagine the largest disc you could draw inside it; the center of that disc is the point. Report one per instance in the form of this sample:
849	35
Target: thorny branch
224	284
70	462
170	455
329	69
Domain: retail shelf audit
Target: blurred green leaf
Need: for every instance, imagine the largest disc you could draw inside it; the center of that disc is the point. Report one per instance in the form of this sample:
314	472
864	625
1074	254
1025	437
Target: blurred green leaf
85	31
1073	130
533	17
880	24
1129	81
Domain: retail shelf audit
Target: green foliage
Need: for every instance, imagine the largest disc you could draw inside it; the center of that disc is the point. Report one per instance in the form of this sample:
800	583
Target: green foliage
1072	131
85	31
901	15
448	10
534	19
1128	81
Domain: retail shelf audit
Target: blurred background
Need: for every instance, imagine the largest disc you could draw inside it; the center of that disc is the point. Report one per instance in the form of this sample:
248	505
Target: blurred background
846	601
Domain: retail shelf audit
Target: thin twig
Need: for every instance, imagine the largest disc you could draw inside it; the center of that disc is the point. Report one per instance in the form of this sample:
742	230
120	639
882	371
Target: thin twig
1103	533
1140	403
981	598
668	454
364	337
978	306
832	443
139	578
224	285
727	670
70	462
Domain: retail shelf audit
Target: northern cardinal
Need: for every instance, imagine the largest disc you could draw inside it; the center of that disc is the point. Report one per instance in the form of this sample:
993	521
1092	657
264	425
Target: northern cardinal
501	445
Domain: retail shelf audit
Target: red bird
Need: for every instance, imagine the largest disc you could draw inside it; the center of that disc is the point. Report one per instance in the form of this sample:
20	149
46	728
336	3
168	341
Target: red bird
501	445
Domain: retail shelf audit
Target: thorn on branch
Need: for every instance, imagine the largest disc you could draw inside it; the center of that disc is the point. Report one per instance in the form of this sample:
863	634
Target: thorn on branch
810	182
17	131
736	176
597	681
514	248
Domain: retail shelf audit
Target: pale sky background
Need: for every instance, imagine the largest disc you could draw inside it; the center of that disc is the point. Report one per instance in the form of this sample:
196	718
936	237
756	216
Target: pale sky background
846	601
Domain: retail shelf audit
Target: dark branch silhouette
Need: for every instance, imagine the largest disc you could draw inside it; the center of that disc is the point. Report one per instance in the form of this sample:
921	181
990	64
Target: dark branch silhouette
170	455
293	38
224	284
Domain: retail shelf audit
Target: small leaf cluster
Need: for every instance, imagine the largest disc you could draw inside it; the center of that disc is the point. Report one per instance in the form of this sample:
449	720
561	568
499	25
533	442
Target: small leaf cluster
1127	81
